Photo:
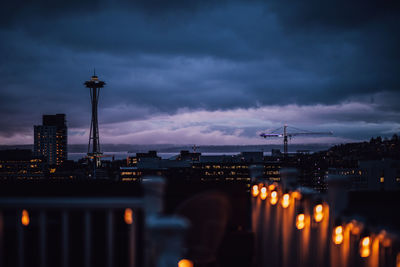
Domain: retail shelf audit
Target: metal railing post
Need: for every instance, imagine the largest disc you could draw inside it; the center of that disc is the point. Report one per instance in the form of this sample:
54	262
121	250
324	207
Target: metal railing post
1	240
64	239
110	238
42	238
163	235
20	240
166	234
87	239
153	188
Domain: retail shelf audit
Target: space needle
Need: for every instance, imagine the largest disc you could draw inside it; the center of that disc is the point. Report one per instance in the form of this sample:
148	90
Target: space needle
94	84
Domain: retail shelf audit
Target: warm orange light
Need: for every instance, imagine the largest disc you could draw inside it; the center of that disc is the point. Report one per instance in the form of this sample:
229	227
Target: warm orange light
25	218
296	195
398	260
255	190
338	235
185	263
300	221
384	239
387	242
264	193
318	213
274	197
365	247
318	208
128	216
285	201
271	187
354	227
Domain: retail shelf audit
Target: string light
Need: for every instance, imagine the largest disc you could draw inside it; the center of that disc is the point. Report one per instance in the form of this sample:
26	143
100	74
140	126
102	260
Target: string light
264	193
128	216
338	235
185	263
255	190
318	213
285	201
365	247
25	218
271	187
296	195
274	197
300	221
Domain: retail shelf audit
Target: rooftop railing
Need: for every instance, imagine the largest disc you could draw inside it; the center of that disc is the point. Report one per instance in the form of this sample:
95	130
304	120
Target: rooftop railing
113	231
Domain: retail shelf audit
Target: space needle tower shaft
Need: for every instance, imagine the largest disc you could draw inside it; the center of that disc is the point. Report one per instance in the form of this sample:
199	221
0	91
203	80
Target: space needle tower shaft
94	84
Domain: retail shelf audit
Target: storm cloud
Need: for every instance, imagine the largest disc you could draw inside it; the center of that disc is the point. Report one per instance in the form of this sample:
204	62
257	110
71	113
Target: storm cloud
331	66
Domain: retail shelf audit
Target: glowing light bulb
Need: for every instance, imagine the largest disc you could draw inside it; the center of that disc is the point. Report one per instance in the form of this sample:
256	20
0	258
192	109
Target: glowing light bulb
386	242
296	195
271	187
255	190
338	235
264	193
128	216
274	197
185	263
300	221
25	218
285	201
365	247
318	213
366	241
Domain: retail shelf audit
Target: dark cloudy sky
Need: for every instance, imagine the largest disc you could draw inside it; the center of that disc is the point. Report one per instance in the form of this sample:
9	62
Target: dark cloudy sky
204	72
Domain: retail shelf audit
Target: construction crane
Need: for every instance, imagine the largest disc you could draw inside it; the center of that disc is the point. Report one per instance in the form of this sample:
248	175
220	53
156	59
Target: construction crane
285	134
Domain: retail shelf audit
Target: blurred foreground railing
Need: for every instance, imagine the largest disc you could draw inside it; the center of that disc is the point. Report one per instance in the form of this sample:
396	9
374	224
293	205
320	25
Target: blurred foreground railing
300	227
43	231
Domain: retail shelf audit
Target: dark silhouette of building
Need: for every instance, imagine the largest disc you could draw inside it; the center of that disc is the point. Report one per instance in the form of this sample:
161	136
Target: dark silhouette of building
51	139
196	167
20	164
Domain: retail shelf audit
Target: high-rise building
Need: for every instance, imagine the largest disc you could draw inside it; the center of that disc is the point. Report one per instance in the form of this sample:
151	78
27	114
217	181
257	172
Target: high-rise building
51	139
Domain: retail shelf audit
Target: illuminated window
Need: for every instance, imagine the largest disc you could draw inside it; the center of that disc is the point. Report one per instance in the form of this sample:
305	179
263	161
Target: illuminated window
382	179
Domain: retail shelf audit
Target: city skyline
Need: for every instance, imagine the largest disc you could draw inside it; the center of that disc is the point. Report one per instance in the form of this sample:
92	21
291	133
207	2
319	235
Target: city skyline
202	72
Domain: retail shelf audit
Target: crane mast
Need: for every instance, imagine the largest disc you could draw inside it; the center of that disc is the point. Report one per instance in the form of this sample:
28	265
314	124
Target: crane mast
285	140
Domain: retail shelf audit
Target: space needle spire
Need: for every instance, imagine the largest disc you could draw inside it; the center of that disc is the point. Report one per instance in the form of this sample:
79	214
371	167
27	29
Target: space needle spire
94	84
